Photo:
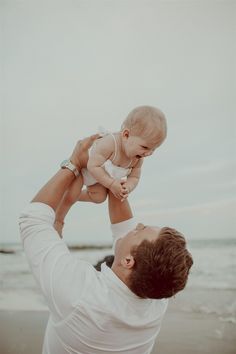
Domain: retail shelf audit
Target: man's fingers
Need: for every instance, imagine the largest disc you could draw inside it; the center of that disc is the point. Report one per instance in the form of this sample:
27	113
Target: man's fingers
124	197
86	143
79	155
119	196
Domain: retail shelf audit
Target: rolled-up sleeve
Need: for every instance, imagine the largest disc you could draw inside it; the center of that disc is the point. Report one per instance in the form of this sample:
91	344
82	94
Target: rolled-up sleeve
121	229
61	277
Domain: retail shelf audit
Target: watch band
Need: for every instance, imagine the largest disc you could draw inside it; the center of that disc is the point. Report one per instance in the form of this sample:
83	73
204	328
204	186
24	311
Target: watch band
70	166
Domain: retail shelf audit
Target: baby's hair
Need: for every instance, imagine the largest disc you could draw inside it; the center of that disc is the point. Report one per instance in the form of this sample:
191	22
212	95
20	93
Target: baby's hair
147	122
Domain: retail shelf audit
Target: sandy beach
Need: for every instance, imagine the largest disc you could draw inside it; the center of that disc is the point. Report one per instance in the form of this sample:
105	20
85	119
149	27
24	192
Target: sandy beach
200	319
183	330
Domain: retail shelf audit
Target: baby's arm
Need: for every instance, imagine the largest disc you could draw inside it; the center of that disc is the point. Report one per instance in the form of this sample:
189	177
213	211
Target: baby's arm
100	153
134	176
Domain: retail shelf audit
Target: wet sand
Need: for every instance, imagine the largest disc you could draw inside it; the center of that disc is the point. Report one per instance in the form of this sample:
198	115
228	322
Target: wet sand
182	332
21	332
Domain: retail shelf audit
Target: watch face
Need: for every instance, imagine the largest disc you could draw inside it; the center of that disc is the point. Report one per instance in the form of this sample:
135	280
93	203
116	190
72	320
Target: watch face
64	163
68	164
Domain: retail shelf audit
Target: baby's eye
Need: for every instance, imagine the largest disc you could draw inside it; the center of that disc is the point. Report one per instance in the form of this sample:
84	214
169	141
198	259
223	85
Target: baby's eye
144	147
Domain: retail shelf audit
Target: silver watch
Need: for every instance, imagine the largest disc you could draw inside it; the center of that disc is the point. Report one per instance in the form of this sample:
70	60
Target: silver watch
70	166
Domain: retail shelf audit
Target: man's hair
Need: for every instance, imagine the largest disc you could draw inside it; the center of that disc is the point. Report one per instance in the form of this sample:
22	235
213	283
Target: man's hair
161	267
147	122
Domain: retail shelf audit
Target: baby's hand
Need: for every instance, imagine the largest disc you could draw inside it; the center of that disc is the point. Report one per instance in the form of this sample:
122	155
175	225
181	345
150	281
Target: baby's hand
118	189
125	190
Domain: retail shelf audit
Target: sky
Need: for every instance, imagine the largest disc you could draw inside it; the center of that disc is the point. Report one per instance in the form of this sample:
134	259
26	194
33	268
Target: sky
68	67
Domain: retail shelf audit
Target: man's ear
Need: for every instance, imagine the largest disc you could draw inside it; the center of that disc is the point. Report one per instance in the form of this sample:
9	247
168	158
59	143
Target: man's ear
128	262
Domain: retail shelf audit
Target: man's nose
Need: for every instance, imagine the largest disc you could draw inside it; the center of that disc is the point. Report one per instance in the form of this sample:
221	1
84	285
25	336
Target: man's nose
140	226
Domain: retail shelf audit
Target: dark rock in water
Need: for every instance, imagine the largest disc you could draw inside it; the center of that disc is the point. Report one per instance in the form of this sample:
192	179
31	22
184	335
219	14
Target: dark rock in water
88	247
108	259
7	251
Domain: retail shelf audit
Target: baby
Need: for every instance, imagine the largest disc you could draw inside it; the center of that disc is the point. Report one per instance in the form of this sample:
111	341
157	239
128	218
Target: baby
115	160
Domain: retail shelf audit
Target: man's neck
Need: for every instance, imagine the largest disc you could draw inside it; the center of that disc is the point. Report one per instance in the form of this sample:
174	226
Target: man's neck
121	273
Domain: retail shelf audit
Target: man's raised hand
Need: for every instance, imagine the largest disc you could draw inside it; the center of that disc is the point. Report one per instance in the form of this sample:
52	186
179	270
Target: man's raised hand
80	155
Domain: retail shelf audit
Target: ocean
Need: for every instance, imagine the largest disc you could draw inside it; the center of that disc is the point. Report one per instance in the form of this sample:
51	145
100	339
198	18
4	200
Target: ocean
213	272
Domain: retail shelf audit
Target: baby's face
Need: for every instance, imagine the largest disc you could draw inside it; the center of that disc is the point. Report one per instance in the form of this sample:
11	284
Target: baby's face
137	147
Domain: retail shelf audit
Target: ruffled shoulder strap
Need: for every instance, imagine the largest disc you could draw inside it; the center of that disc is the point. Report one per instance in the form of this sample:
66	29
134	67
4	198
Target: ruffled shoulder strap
103	132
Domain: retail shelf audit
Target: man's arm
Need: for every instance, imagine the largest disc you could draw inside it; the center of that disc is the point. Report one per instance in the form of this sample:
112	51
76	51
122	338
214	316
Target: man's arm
58	274
118	211
121	217
52	193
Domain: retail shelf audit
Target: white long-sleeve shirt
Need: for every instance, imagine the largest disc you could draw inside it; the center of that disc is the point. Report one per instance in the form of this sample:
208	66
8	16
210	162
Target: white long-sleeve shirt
90	312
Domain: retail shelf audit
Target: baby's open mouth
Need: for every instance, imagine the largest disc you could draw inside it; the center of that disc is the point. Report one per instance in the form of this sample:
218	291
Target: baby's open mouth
138	156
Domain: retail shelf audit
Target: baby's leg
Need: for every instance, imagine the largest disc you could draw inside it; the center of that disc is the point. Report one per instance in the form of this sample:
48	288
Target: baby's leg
69	198
95	193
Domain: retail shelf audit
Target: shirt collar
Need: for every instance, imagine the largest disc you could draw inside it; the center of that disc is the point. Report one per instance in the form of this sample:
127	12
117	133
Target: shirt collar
111	276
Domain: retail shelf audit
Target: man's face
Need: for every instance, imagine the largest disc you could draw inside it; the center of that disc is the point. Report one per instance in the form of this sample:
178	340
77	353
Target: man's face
134	238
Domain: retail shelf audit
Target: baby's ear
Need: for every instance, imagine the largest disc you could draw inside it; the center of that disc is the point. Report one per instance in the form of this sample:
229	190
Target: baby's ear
125	133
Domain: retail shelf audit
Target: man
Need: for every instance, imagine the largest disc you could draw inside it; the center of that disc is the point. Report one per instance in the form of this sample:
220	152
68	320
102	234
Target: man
117	310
